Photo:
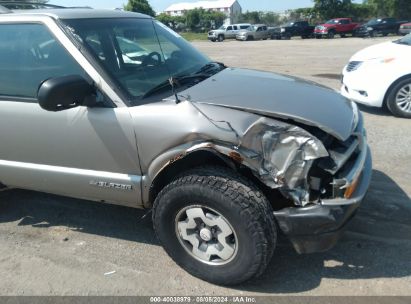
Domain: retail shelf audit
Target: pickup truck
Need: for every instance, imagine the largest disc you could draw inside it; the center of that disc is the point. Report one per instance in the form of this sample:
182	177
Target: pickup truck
337	26
115	107
405	29
254	32
292	29
380	26
226	32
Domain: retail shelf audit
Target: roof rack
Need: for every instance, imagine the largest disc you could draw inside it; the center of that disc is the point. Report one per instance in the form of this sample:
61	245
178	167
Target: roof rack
11	5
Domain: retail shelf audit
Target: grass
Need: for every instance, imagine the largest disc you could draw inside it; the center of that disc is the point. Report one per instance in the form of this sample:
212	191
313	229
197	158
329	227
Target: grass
190	36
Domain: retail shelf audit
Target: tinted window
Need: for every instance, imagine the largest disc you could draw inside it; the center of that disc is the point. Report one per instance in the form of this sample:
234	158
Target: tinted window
344	21
229	28
235	27
137	53
243	27
29	54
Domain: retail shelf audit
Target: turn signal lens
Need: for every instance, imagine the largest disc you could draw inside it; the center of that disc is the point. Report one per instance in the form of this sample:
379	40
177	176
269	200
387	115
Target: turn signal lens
351	189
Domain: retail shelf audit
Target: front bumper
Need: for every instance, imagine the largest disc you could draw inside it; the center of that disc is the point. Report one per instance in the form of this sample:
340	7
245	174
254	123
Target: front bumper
317	228
242	38
321	32
405	31
366	86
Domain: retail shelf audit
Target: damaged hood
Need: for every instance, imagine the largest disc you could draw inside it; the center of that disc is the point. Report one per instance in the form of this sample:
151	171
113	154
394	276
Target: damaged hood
278	96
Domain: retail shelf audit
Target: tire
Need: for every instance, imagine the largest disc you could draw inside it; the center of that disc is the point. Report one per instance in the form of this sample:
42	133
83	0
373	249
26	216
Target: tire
343	35
372	34
225	194
220	38
331	35
394	99
318	37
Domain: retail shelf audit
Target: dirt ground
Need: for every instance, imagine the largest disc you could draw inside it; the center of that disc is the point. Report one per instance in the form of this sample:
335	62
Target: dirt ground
51	245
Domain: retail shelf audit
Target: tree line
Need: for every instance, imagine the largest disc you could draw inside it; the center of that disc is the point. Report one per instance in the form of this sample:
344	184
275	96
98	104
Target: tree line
201	20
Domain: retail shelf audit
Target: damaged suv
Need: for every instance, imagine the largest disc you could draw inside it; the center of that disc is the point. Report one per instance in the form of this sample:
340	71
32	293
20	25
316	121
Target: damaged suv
84	115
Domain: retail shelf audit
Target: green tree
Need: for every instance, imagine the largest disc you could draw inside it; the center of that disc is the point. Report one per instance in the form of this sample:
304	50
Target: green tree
140	6
171	21
250	17
327	9
390	8
193	18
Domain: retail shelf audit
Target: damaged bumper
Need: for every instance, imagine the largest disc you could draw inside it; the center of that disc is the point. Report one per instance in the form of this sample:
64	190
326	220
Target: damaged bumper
318	227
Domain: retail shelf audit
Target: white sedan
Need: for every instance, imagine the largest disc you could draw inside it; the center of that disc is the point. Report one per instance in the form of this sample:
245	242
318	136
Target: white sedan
380	76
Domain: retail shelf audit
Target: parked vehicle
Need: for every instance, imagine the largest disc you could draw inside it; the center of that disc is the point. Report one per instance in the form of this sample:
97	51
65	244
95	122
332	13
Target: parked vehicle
292	29
338	26
222	157
254	32
405	29
380	75
226	32
380	26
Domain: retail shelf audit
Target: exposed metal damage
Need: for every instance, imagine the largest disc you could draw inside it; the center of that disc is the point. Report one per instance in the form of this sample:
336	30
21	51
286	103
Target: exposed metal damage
279	154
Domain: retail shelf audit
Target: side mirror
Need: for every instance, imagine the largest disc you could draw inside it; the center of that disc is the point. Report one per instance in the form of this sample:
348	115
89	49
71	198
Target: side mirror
62	93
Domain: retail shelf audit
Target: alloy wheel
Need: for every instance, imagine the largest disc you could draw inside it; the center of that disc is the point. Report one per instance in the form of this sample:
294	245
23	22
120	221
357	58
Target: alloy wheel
206	235
403	98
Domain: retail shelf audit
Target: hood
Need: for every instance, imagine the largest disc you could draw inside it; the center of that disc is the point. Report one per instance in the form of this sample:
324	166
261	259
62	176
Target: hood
327	25
382	50
278	96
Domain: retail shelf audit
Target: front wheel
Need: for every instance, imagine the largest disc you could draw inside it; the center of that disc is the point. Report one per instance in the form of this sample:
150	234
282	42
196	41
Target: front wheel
331	35
399	99
216	225
220	38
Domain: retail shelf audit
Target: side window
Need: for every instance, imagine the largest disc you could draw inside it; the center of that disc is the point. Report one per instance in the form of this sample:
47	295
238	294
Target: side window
229	28
345	21
29	54
244	27
235	27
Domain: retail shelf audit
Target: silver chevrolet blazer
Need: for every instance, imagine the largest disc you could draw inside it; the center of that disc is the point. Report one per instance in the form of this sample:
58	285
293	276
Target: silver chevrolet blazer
115	107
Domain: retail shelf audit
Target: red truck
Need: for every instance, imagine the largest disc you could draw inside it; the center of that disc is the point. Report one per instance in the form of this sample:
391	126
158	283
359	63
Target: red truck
337	26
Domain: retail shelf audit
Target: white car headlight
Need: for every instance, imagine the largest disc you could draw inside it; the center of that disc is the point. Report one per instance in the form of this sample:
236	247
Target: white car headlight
370	29
282	30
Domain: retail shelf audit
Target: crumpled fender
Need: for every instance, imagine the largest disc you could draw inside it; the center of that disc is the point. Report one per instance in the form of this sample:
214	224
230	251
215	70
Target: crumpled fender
280	155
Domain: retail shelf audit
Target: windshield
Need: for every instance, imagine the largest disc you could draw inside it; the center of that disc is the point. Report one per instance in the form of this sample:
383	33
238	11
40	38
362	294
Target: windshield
223	27
289	24
138	54
252	28
405	40
332	21
374	21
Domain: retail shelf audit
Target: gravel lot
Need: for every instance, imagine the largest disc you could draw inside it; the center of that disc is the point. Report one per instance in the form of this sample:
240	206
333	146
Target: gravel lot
51	245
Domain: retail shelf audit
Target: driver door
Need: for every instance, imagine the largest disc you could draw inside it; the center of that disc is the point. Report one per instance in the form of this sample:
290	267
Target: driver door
81	152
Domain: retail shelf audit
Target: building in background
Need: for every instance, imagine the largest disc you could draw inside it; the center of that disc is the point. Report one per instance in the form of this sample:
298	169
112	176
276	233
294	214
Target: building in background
231	8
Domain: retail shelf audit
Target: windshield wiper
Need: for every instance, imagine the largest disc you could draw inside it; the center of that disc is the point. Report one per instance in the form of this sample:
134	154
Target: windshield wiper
204	72
173	82
212	65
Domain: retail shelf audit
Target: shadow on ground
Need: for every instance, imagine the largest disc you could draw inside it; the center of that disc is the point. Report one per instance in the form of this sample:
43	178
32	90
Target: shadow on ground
375	111
377	243
44	210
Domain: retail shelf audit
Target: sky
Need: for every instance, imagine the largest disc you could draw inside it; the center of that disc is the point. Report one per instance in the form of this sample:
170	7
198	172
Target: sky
160	5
